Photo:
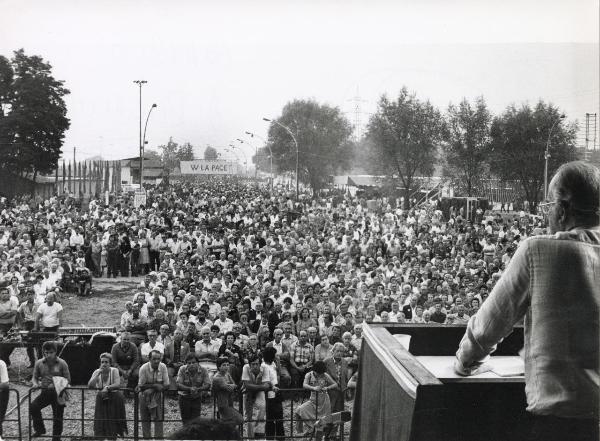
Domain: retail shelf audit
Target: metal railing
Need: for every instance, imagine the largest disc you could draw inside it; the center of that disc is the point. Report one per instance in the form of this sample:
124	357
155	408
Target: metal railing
80	422
9	423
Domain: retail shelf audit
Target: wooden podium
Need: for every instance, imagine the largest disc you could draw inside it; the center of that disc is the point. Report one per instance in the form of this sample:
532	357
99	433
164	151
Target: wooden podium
413	393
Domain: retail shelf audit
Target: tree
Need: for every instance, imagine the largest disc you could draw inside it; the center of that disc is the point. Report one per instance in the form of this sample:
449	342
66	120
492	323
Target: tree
169	155
210	154
172	153
262	160
518	144
152	155
185	152
467	147
406	134
33	115
323	136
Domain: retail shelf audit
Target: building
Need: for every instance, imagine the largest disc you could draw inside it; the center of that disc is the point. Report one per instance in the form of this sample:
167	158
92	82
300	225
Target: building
130	171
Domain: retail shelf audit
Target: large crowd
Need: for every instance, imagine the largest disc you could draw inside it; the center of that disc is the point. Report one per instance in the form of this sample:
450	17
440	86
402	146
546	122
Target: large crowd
243	289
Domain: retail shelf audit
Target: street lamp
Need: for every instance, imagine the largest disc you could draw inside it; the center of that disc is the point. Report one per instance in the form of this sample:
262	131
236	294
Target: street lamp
245	156
547	156
140	83
252	135
144	143
255	156
295	142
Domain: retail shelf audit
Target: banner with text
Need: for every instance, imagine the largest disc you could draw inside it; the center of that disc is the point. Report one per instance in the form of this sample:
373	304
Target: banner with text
201	167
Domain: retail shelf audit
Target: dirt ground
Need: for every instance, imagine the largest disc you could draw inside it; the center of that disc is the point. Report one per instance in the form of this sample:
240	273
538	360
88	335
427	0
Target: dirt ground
102	309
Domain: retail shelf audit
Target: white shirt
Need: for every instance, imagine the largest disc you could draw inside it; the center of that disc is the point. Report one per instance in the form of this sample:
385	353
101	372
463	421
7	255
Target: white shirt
49	314
224	326
270	376
145	348
212	347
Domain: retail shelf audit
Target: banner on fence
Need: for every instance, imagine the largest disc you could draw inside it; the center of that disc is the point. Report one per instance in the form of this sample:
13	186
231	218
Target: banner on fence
201	167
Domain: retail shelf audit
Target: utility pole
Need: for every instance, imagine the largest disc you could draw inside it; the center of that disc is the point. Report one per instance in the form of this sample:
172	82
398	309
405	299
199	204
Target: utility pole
140	83
357	112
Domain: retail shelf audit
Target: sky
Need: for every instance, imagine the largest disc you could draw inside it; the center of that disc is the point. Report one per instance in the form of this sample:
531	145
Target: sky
216	68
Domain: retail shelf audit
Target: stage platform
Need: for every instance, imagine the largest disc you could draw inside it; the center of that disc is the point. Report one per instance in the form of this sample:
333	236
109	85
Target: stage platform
413	393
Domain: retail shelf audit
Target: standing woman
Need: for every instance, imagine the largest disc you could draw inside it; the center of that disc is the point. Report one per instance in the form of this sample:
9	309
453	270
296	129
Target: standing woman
318	381
144	252
109	415
96	250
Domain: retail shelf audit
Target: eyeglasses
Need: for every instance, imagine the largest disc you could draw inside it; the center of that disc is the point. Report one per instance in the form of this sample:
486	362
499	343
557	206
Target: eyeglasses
544	207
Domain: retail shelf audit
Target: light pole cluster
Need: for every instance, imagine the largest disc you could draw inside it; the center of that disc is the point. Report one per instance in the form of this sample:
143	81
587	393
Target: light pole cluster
234	149
287	129
140	83
252	135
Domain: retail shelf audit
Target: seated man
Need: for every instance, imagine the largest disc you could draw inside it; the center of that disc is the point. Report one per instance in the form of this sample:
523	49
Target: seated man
136	325
126	359
176	353
206	350
151	345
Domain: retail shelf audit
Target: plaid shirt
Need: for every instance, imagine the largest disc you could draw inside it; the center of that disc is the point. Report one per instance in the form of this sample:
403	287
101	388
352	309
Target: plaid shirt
554	282
303	354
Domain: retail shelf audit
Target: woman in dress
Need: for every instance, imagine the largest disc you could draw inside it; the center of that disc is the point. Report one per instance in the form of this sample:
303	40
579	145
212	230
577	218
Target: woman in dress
144	252
318	381
96	254
109	415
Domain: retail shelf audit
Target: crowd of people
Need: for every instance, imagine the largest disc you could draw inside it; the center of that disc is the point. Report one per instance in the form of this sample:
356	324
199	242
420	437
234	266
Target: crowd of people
243	290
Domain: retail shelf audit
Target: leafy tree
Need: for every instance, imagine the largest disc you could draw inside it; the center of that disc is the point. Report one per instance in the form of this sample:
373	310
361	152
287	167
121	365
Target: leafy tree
467	147
185	152
262	160
406	134
172	153
169	154
210	154
33	115
323	134
152	154
518	142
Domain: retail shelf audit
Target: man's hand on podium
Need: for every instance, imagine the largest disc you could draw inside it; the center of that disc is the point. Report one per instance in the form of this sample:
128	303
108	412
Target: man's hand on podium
476	369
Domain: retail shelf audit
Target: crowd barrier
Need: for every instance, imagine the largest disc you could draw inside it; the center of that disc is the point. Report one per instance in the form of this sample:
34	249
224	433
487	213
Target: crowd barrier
78	418
12	427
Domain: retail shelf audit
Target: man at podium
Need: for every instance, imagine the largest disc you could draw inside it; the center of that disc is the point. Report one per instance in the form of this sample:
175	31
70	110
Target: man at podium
553	281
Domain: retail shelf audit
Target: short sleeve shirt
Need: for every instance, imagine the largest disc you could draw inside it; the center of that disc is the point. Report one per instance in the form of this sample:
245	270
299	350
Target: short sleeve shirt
49	314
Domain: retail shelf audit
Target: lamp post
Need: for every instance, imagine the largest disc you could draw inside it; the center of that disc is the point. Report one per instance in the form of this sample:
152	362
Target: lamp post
252	135
255	156
547	156
295	142
144	144
140	83
243	153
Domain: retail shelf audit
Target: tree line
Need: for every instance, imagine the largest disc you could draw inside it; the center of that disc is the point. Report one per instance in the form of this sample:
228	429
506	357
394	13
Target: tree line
406	138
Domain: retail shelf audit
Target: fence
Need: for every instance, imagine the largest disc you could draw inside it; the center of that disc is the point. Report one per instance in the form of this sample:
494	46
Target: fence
79	416
5	401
